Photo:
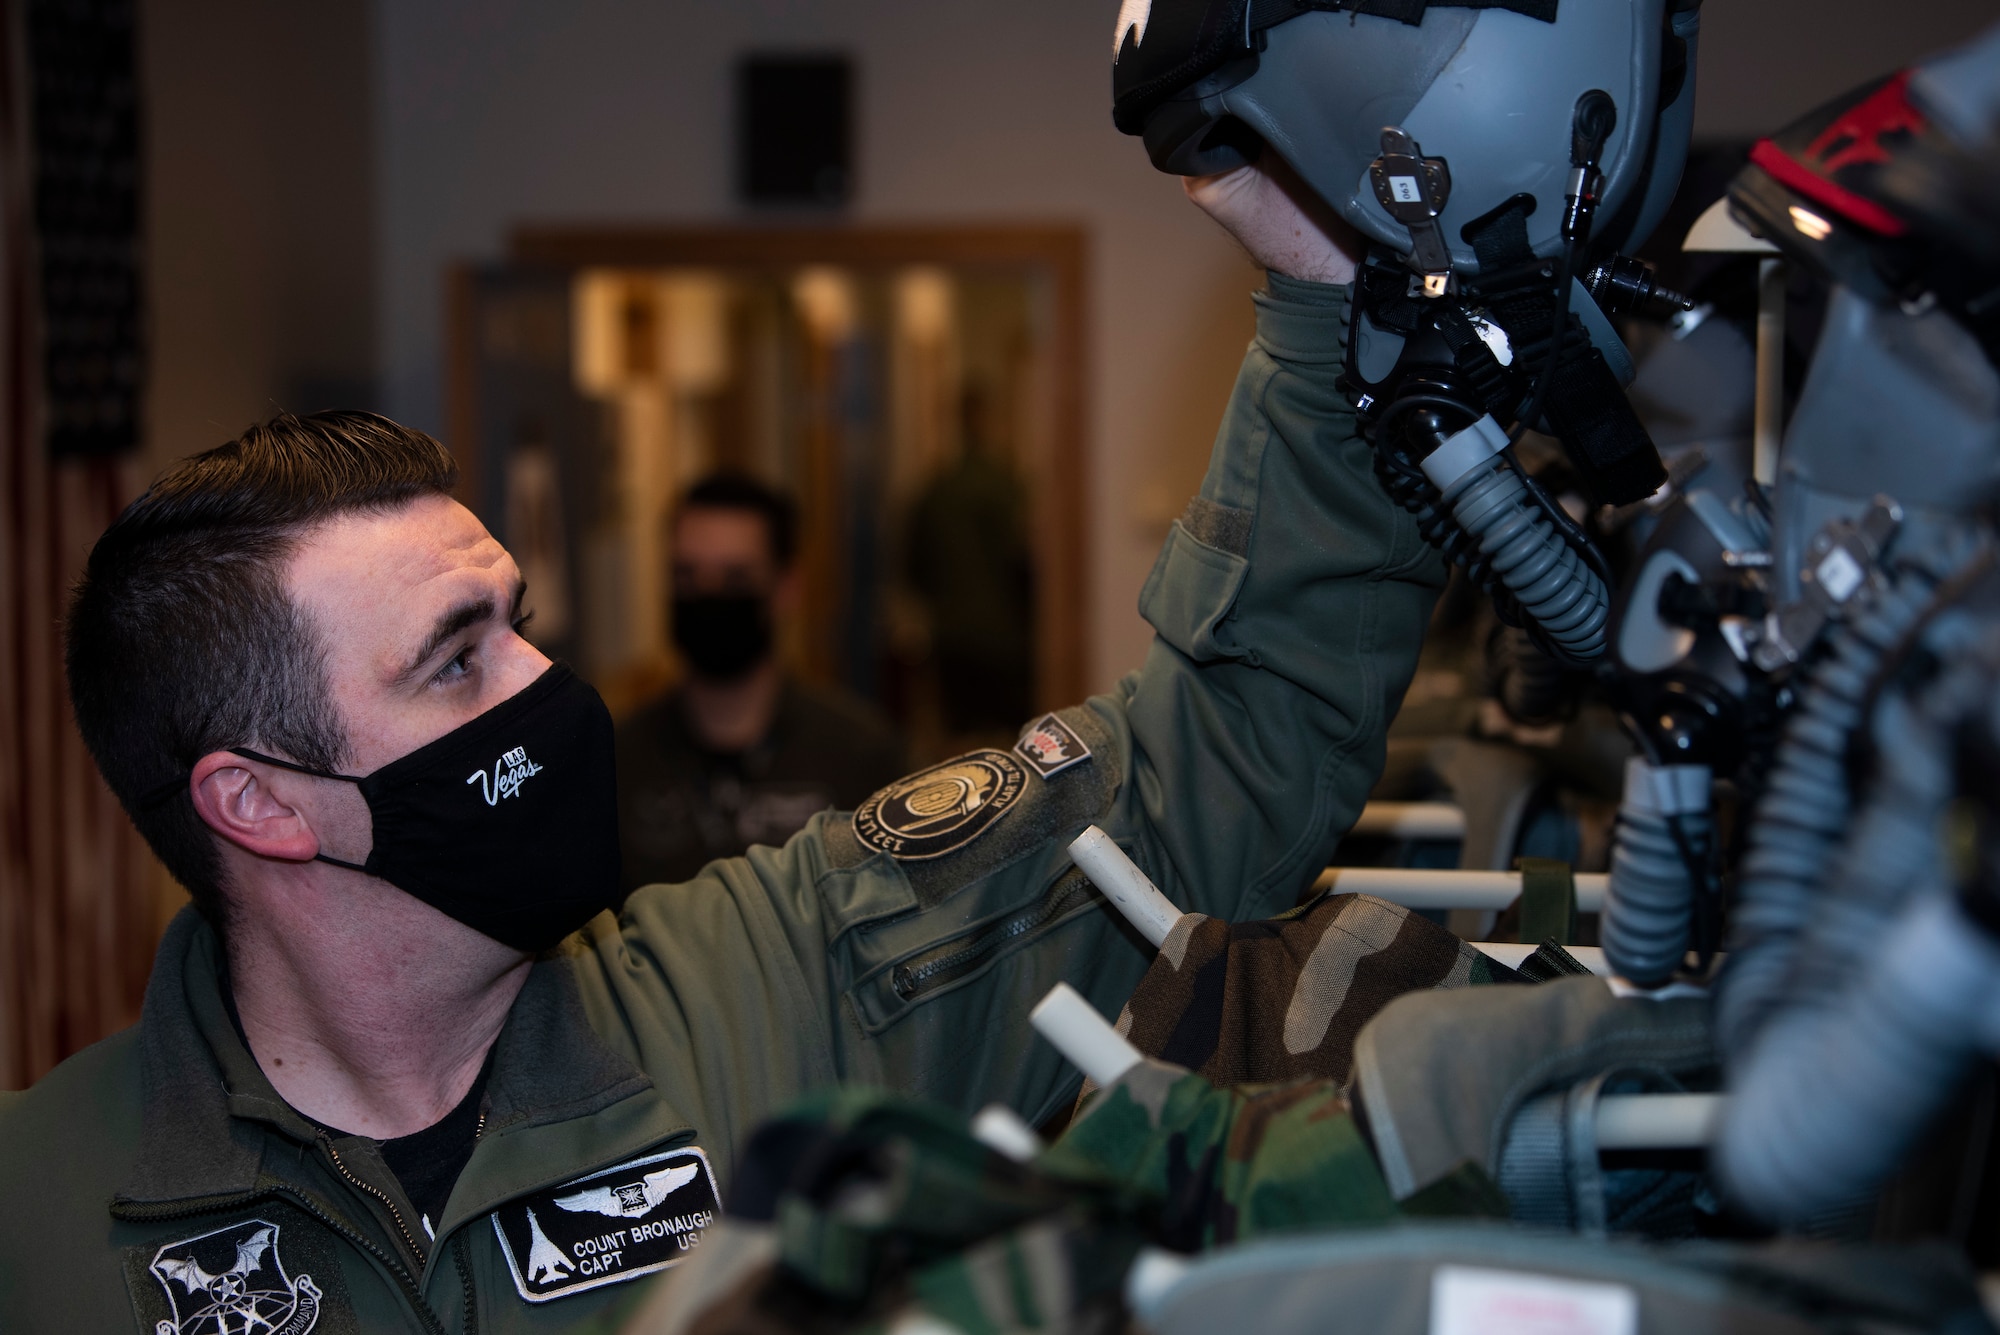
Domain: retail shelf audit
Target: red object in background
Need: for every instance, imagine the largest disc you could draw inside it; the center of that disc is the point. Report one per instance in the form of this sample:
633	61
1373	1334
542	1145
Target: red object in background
1858	136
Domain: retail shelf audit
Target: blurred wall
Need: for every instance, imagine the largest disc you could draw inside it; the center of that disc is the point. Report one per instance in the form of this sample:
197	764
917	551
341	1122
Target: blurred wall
503	111
260	213
497	112
1767	62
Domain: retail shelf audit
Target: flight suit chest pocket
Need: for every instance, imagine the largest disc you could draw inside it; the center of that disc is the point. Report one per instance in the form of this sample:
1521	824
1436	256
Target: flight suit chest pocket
1188	596
896	967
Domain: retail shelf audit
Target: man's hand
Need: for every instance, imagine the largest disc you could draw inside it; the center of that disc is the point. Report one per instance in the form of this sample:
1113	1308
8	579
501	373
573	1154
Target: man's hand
1278	218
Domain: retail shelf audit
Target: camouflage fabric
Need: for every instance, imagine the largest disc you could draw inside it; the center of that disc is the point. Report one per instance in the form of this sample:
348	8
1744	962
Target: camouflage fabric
1227	1165
860	1211
857	1208
1283	999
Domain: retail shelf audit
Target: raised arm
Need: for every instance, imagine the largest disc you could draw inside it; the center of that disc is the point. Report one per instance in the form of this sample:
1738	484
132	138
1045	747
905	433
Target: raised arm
905	943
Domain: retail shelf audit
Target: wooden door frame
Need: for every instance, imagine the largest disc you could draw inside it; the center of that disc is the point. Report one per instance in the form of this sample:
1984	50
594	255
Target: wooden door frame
1058	250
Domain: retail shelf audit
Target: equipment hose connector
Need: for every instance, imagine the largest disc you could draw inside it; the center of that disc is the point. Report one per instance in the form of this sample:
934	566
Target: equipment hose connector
1649	906
1553	585
1805	812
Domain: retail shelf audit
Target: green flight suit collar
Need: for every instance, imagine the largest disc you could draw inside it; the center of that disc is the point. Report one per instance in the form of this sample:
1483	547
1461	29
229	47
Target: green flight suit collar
560	1103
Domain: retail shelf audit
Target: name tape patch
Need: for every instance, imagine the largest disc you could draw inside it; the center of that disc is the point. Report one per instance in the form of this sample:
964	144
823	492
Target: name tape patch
941	809
1051	746
609	1226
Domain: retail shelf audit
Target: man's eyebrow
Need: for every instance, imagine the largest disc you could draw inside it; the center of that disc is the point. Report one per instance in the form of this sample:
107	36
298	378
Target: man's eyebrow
453	621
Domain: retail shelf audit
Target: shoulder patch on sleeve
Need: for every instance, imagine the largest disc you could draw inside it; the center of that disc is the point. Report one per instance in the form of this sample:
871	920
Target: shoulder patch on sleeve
1051	746
608	1226
1059	803
937	810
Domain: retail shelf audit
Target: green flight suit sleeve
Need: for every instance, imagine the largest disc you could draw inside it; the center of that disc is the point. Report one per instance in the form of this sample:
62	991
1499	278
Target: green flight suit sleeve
1290	602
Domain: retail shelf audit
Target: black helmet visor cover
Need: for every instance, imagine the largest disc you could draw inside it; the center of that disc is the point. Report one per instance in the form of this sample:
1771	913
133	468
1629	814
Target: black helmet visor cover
1858	190
1488	86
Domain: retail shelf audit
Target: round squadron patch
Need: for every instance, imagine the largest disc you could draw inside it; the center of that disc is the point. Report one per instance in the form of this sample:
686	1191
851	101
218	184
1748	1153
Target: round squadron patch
935	811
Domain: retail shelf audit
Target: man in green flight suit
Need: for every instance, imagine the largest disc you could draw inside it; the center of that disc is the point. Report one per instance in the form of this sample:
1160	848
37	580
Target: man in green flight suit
383	1083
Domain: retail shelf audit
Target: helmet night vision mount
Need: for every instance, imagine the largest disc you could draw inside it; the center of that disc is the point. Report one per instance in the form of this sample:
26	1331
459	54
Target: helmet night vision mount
1495	154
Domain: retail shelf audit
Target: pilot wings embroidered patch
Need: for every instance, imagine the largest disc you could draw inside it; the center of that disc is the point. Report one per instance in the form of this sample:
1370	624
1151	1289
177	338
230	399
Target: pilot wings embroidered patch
609	1226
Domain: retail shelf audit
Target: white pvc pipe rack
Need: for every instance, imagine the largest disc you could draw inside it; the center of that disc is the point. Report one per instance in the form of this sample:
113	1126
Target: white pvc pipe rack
1624	1121
1423	889
1657	1121
1079	1033
1410	820
1092	1045
1124	884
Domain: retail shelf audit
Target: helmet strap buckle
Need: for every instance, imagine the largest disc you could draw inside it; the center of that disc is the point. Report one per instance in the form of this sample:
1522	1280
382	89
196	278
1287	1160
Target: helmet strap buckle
1414	189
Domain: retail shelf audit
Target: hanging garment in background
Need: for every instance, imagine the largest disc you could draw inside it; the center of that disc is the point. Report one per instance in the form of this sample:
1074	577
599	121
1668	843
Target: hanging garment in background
969	559
681	806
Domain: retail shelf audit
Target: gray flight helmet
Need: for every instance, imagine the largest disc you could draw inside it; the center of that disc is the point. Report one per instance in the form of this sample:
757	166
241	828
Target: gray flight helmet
1490	88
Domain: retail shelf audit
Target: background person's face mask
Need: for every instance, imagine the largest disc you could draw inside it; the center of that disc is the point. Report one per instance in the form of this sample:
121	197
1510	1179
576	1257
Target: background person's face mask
509	822
724	635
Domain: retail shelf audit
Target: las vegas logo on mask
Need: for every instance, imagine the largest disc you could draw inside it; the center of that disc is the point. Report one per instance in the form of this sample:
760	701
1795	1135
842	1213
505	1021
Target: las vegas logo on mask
612	1225
509	772
233	1281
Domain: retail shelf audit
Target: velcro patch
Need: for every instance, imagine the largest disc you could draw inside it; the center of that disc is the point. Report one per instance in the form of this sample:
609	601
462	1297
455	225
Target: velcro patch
250	1275
1050	746
609	1226
938	810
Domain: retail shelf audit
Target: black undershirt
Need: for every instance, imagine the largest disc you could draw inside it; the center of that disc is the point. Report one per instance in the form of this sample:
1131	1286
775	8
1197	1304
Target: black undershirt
427	1162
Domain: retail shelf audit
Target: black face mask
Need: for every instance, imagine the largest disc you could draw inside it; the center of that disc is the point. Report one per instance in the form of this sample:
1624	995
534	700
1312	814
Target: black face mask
508	823
724	635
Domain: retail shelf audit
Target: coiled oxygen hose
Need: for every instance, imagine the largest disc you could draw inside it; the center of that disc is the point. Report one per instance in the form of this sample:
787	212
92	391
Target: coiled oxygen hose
1833	1096
1803	815
1649	902
1894	989
1533	688
1553	585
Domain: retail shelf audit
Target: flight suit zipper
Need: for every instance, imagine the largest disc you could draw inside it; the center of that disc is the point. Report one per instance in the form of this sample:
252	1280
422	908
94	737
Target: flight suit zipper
461	1257
210	1205
353	1180
463	1260
954	959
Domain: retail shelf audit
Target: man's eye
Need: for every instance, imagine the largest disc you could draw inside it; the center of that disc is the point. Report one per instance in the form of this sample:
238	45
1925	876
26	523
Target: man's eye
522	622
460	664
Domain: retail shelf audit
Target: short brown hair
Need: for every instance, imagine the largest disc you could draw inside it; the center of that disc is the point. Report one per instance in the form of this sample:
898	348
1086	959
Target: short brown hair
727	490
181	637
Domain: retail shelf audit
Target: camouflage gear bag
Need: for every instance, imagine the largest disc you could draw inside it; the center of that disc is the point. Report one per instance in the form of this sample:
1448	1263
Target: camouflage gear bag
1258	1002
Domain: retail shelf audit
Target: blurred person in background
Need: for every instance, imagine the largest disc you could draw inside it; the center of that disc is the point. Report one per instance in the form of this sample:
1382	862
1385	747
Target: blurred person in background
968	559
741	752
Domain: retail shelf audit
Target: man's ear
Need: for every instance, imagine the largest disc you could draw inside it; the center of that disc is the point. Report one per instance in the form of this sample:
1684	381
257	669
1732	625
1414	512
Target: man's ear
235	798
